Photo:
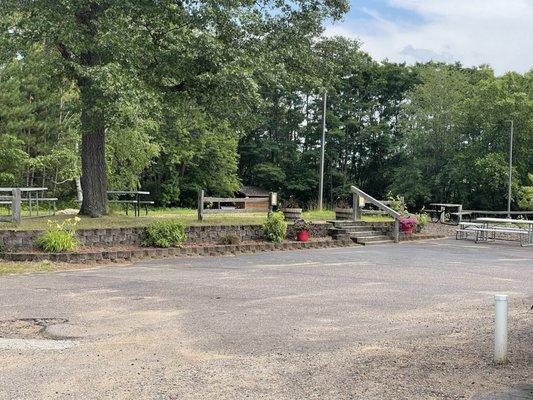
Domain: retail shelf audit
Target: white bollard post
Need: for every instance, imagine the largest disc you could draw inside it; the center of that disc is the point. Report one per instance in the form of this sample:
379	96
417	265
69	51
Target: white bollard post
500	329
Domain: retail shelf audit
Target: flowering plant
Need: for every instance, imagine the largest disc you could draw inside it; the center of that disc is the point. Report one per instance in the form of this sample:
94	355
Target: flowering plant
408	223
302	225
59	237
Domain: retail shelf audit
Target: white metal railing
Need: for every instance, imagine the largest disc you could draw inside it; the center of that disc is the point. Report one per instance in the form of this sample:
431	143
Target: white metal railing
358	193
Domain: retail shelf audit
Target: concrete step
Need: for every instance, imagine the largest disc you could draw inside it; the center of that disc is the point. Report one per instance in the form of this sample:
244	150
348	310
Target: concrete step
375	242
374	238
343	223
357	227
367	233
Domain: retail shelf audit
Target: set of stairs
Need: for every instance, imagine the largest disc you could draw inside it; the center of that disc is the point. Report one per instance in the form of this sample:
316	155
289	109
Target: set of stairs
360	232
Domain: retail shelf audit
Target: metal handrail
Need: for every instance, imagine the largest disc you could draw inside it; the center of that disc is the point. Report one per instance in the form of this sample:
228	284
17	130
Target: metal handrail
357	211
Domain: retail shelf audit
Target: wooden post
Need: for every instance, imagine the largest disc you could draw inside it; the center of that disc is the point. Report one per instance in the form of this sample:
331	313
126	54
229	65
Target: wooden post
356	207
16	206
200	205
460	216
396	230
358	210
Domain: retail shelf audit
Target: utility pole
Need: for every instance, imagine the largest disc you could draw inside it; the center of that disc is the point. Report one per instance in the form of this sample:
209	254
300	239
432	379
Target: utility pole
510	170
322	151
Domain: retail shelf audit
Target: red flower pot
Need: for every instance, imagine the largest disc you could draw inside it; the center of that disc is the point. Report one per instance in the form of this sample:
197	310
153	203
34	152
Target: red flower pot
302	236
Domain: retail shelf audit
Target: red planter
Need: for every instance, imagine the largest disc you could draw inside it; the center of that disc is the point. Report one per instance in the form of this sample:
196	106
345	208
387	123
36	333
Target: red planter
302	236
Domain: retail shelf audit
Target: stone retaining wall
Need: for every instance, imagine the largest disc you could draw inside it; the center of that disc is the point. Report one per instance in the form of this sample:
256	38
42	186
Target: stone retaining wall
207	250
11	240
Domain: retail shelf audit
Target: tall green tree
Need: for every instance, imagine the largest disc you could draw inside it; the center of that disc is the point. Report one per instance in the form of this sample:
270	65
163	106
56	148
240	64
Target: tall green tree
40	109
166	46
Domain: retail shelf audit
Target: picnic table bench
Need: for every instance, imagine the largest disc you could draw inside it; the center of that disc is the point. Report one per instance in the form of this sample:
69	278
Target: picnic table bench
30	195
133	198
485	229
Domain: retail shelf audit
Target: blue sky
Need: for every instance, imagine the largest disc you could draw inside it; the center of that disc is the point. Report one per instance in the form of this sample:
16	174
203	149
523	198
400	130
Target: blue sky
474	32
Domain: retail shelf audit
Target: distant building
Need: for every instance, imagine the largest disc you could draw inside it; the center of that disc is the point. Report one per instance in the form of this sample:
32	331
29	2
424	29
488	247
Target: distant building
253	192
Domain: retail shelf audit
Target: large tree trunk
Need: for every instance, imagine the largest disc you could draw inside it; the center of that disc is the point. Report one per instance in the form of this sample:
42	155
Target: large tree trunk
93	126
93	164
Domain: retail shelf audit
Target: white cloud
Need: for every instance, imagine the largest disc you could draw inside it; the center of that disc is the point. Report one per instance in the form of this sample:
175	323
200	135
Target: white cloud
495	32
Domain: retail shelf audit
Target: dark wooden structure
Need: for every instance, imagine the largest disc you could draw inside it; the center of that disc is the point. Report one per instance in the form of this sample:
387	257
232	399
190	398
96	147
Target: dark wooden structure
234	204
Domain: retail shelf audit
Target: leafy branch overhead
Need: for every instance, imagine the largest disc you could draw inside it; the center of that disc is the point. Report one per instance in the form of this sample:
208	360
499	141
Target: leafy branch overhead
176	96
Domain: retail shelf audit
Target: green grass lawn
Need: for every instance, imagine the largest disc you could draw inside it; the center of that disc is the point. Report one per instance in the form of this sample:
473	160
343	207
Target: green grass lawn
119	219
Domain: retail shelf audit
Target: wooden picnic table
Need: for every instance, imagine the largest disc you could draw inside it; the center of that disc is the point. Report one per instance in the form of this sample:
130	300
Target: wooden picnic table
136	201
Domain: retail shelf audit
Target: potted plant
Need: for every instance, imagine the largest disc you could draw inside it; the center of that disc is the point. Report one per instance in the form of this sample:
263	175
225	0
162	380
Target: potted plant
408	223
302	229
292	210
343	211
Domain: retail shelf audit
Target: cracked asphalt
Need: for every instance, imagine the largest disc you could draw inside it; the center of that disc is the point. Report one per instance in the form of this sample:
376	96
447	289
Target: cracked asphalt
408	321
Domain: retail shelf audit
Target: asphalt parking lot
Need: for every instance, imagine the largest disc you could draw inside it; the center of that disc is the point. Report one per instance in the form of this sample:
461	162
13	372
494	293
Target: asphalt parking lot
408	321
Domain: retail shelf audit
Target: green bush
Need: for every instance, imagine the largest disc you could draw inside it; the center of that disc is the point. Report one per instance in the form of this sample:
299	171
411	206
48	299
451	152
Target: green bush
525	196
423	220
275	227
57	241
59	237
397	203
165	234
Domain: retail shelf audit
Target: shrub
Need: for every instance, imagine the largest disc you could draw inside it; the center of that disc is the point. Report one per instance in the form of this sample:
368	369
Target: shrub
291	203
275	227
408	223
397	203
525	196
230	238
302	225
59	237
165	234
423	220
344	204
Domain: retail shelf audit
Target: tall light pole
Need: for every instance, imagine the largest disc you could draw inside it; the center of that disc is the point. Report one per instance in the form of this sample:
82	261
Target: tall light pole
322	151
510	170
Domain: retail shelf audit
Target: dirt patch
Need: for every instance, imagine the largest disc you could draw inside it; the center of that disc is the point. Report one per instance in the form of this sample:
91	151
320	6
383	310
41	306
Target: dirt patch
27	328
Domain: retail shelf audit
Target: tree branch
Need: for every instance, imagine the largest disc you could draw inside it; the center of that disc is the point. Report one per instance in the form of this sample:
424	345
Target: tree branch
63	51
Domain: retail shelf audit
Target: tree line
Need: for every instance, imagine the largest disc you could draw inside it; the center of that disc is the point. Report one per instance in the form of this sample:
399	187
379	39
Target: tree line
175	97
